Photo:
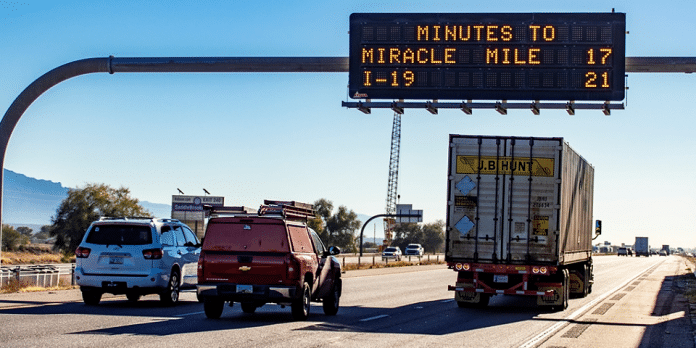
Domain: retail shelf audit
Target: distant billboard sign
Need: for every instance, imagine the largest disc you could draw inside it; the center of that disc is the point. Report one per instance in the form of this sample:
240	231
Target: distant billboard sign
181	203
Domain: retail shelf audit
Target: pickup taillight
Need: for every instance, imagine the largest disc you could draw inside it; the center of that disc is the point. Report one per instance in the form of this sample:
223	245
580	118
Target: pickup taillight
153	254
82	253
201	262
293	267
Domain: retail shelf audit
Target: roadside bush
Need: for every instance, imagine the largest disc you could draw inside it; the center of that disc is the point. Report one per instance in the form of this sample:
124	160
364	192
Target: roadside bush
11	239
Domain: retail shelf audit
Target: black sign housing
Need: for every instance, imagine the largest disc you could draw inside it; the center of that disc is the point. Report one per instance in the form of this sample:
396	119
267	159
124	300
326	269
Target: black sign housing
489	56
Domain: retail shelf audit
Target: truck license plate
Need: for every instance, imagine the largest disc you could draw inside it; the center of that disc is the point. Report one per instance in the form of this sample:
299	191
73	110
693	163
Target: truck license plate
245	289
500	278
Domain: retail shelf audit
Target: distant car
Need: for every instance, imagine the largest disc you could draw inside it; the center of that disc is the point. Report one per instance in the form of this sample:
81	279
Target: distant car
622	251
391	253
414	250
653	252
663	253
135	257
629	251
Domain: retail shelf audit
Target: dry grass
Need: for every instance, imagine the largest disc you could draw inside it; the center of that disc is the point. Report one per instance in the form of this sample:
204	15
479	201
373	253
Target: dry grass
23	258
16	286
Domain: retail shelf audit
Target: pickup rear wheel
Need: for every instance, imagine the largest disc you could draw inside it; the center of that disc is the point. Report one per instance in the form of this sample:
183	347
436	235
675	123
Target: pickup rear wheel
300	306
331	300
213	307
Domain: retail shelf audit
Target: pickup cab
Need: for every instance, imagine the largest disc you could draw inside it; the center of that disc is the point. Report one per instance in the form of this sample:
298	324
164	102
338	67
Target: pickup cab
268	257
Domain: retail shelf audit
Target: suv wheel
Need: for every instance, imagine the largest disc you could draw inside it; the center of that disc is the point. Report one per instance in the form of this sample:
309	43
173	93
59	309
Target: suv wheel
332	299
91	297
170	296
213	307
300	306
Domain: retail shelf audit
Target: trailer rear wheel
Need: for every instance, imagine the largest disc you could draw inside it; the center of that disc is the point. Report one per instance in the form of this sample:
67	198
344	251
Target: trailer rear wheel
565	290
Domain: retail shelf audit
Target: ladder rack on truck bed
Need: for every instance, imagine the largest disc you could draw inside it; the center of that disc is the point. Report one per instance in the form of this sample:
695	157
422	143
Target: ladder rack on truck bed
286	209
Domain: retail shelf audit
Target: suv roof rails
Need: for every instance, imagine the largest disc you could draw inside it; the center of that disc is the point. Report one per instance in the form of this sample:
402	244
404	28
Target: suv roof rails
107	218
287	209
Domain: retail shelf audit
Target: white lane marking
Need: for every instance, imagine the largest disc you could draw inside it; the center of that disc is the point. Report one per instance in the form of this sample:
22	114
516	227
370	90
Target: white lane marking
183	315
375	317
446	301
562	322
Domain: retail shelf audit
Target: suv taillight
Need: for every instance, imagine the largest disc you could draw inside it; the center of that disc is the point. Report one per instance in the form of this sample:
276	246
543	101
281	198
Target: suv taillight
153	254
82	253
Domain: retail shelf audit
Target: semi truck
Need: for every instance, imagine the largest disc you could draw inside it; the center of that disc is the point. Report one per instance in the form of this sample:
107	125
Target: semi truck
641	247
519	219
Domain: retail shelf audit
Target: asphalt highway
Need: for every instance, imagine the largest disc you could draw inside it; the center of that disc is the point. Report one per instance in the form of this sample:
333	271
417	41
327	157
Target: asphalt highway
404	307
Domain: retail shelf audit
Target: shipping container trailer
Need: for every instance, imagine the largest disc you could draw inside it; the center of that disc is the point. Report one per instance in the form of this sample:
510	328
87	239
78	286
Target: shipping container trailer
519	219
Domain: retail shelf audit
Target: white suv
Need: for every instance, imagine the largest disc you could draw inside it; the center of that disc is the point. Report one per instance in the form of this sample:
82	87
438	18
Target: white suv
135	257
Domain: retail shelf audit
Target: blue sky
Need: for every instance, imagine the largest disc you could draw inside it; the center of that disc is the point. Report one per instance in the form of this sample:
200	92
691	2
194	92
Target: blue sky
250	137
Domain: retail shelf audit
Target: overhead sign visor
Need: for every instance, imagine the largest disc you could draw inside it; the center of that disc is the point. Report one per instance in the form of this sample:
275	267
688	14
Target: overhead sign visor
499	56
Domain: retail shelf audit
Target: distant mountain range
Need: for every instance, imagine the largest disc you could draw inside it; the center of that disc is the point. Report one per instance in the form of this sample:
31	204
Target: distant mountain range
32	202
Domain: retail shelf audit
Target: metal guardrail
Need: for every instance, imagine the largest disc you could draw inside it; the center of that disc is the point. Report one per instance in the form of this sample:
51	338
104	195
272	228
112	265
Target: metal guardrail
44	276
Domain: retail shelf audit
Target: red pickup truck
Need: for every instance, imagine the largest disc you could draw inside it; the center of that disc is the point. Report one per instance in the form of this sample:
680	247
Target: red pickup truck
266	257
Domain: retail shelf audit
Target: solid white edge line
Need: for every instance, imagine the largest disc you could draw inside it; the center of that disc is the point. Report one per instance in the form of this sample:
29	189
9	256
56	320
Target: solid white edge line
375	317
544	334
183	315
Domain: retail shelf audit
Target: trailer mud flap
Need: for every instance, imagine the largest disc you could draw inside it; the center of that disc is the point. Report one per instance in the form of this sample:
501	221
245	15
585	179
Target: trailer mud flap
553	298
466	296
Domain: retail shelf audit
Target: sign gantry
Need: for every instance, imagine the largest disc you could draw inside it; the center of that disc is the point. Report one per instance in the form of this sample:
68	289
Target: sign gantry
488	56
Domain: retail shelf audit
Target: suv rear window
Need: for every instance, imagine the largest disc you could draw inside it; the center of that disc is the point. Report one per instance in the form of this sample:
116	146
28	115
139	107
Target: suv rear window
239	236
120	235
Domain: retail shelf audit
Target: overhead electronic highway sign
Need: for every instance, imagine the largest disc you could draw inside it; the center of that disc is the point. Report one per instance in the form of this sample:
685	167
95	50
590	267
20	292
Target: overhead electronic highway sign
489	56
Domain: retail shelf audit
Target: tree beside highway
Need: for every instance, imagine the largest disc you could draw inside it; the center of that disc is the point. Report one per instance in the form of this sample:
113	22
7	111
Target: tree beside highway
85	205
335	229
431	236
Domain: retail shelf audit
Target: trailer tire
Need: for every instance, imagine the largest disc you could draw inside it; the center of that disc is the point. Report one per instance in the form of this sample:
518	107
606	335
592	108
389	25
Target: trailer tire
566	289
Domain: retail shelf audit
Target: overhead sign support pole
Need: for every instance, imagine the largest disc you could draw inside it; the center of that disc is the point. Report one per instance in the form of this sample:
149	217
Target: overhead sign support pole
230	64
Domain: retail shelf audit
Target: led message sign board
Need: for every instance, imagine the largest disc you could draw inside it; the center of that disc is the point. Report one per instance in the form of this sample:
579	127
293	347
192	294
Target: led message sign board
491	56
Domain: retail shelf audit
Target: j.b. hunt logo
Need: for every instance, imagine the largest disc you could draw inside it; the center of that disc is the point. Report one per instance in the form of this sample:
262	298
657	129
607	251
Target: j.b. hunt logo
505	165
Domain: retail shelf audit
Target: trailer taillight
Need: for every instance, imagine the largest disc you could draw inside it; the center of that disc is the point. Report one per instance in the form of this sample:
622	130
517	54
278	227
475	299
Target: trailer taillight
462	267
540	270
